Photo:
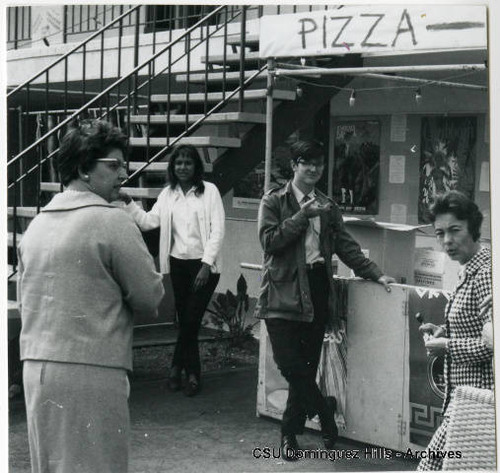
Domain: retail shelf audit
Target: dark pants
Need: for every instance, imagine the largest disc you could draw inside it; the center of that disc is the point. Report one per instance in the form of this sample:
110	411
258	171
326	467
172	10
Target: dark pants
190	306
296	351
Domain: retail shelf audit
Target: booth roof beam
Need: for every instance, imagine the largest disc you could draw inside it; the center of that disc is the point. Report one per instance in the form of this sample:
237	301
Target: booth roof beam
356	71
441	83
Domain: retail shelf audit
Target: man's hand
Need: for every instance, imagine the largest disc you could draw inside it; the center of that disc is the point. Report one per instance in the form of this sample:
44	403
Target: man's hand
436	346
312	208
385	281
202	276
124	197
434	330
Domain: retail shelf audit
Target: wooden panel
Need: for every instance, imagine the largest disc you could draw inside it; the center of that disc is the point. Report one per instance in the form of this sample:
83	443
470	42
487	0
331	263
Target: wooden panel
376	328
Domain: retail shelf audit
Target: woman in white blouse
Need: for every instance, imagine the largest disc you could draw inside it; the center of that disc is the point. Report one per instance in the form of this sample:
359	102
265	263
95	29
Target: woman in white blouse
190	215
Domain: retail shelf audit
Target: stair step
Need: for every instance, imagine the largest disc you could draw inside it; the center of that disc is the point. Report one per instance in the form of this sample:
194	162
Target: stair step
10	270
252	94
10	238
153	167
143	192
12	310
28	212
229	76
250	39
231	58
198	141
50	186
214	118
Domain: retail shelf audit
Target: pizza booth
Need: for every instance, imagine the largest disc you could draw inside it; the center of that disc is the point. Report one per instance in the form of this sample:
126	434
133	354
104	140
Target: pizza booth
412	122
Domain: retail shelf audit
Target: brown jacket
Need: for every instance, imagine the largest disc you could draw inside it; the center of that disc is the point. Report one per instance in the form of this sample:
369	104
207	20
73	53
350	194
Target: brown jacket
282	226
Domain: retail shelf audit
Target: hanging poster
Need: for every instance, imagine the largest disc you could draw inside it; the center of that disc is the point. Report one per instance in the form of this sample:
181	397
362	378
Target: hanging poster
249	190
448	159
426	373
356	166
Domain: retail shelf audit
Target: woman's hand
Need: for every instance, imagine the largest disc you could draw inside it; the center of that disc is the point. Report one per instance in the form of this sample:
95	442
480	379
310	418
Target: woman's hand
124	197
485	306
487	335
433	330
202	276
436	346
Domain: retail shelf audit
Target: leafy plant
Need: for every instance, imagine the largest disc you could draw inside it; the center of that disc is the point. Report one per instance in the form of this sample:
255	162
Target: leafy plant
230	310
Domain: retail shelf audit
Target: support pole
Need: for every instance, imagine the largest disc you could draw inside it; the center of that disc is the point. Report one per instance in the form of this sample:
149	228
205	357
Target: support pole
269	124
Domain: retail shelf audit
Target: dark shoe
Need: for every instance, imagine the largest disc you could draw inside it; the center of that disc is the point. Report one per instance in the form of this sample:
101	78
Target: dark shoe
192	388
329	430
289	447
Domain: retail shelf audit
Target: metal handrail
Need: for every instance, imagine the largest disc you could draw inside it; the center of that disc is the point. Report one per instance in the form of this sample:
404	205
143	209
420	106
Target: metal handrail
70	52
109	88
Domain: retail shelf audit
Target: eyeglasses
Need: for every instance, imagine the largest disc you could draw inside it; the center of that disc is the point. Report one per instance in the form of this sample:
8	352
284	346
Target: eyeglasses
311	164
114	164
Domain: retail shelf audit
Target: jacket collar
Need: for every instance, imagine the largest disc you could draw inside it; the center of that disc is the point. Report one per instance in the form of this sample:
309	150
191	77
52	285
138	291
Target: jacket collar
319	195
480	259
71	200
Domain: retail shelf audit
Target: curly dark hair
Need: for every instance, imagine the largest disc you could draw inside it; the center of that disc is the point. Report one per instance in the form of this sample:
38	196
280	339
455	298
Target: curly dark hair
190	152
463	208
83	144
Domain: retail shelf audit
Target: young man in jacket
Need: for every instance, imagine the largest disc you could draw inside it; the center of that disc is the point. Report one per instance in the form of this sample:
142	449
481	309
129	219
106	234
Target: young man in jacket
300	229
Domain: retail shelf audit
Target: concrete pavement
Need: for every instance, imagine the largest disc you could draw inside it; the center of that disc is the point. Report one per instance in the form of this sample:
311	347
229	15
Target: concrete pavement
216	431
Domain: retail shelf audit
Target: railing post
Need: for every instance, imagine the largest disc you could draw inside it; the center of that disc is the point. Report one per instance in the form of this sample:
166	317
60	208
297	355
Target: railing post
242	56
21	146
65	24
269	124
136	58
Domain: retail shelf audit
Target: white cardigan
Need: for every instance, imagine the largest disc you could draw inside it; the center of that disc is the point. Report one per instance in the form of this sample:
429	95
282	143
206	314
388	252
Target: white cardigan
211	223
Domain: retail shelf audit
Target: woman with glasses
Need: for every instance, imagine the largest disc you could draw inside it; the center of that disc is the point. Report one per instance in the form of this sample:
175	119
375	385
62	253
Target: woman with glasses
190	215
84	274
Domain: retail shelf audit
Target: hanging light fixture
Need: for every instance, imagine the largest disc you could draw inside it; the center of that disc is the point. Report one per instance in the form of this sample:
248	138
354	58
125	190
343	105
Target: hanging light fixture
418	96
300	91
352	99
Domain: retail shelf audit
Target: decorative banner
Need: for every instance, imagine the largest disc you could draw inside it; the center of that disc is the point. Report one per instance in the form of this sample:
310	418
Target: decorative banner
356	166
448	159
367	29
426	374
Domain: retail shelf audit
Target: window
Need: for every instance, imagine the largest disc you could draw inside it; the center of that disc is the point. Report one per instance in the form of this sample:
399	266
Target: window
18	26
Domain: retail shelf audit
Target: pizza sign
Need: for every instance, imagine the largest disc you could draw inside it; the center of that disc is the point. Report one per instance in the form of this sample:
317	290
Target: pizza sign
368	29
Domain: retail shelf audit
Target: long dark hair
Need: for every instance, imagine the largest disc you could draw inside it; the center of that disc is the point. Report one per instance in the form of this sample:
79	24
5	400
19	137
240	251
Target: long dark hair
188	151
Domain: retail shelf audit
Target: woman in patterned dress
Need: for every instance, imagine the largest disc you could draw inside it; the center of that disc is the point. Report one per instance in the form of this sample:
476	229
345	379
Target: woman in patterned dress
468	357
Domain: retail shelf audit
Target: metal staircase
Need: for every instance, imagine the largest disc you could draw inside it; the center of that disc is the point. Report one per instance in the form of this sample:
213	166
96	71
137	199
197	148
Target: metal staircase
205	86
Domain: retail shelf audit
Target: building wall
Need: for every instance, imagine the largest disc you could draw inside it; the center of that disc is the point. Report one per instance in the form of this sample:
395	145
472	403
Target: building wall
241	240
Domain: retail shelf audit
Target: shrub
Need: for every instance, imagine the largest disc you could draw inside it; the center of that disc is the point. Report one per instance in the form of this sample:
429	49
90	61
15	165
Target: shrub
230	310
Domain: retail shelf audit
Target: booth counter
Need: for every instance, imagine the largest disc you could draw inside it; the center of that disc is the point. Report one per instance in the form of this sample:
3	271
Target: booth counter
389	392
